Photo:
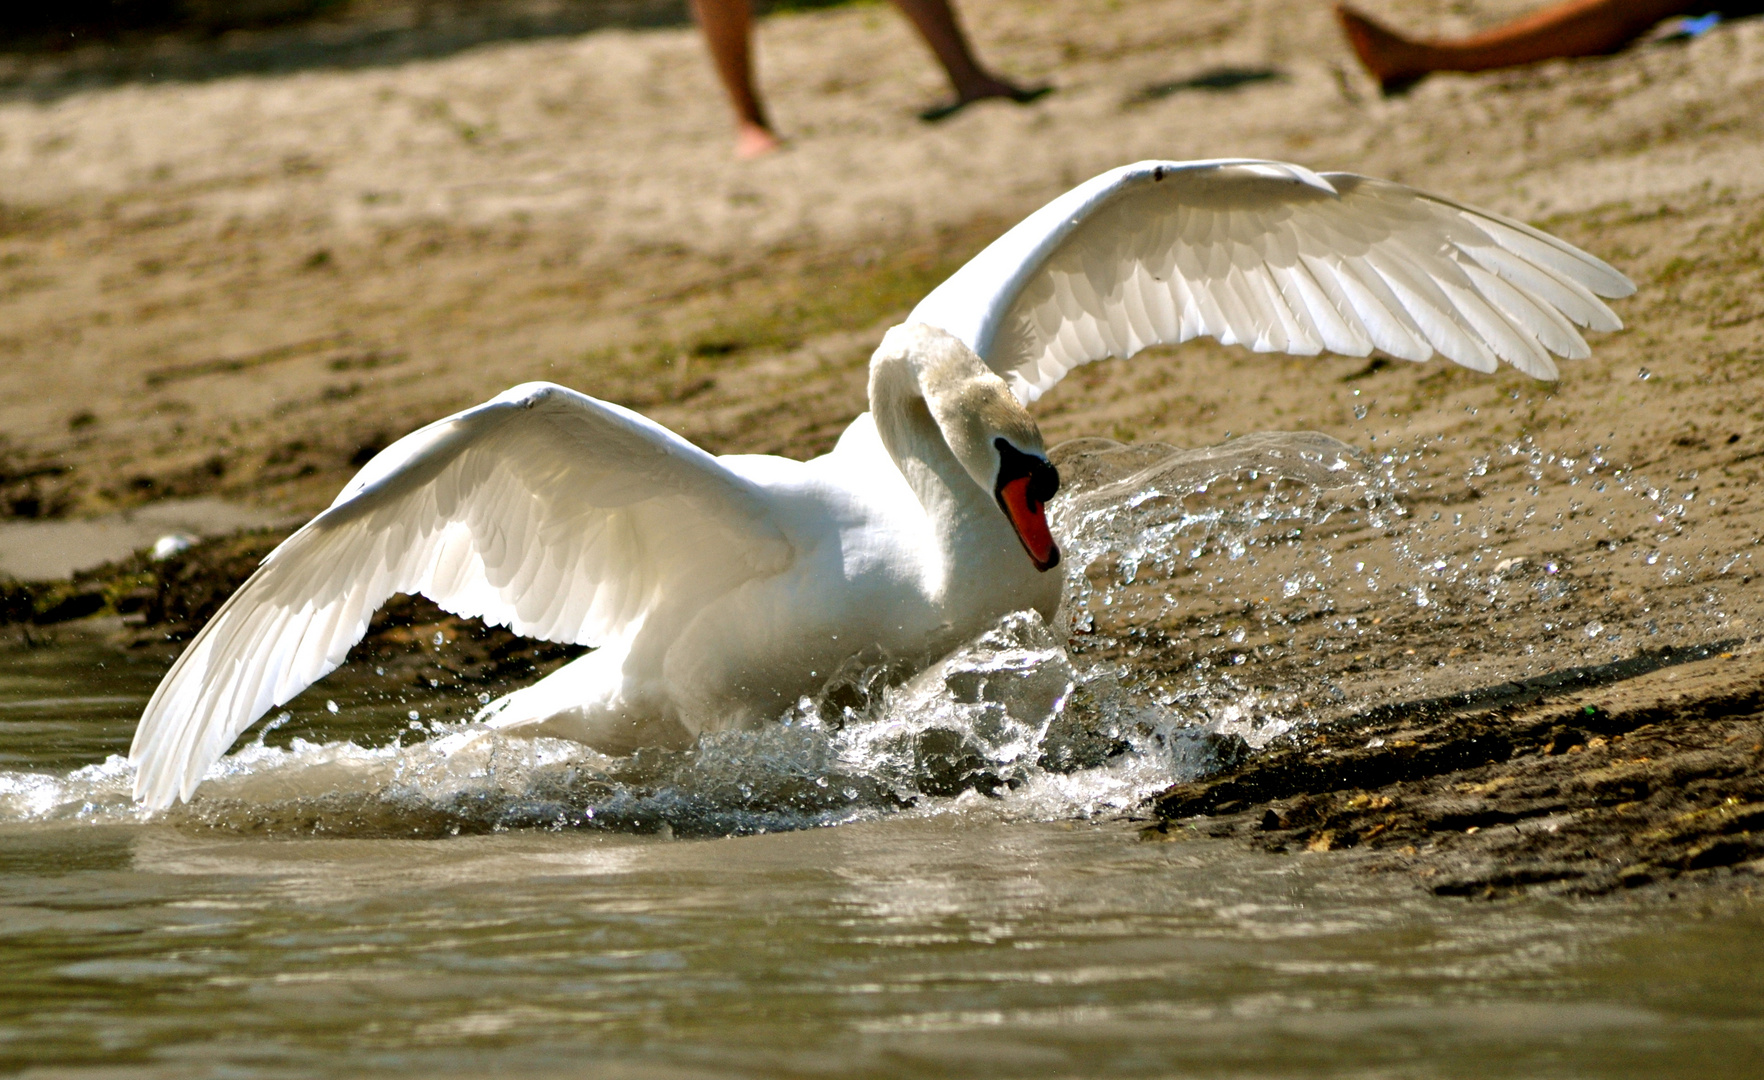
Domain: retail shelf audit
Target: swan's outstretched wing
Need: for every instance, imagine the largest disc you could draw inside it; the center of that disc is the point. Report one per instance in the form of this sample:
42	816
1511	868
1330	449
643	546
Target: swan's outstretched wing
543	510
1275	257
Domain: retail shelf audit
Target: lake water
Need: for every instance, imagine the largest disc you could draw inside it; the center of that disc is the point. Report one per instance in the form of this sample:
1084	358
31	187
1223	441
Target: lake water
965	936
932	879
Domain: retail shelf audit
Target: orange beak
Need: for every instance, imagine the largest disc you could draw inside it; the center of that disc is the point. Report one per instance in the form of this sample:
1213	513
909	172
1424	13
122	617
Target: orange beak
1030	522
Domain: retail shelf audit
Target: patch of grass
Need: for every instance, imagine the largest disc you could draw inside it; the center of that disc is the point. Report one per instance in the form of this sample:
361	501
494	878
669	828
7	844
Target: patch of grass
790	298
1676	269
816	297
20	220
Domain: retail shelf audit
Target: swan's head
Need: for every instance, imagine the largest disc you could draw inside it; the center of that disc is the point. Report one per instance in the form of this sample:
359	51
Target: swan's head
990	433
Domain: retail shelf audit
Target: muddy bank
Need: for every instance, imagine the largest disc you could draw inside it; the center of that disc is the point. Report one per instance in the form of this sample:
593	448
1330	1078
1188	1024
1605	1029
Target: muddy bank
151	607
1473	720
1645	771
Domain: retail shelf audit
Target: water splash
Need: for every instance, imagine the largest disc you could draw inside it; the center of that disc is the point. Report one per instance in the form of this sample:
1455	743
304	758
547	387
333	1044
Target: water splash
1284	582
1007	717
1011	718
1193	559
1215	600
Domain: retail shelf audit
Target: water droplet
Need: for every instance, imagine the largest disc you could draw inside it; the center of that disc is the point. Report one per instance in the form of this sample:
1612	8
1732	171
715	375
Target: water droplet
331	707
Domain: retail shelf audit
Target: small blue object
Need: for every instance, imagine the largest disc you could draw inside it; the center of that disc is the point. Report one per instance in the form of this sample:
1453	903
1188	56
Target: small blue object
1700	25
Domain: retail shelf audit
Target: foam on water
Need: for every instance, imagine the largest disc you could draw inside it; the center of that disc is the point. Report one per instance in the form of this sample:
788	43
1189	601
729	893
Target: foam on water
1008	716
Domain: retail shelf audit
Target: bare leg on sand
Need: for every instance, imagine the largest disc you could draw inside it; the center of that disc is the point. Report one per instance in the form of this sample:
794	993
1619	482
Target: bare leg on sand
1571	28
936	22
727	26
728	30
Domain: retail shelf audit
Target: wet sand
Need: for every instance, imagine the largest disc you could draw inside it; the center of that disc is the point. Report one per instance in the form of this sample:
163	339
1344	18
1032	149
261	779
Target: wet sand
1638	773
32	550
241	287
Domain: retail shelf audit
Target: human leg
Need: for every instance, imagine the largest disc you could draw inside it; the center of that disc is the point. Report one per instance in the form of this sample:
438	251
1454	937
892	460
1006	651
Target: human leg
728	30
937	23
1570	28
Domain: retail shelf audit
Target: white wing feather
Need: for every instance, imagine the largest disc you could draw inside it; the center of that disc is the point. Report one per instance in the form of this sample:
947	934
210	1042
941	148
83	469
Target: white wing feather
543	510
1274	257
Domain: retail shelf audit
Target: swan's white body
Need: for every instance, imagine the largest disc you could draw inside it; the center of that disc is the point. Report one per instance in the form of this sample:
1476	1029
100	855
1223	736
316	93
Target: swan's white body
868	564
718	590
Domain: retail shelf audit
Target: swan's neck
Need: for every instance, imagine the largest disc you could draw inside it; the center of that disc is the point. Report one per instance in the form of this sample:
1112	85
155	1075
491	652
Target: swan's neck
904	374
913	439
934	404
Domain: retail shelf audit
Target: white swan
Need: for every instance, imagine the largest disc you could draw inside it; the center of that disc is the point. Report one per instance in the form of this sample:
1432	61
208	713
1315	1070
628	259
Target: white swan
717	590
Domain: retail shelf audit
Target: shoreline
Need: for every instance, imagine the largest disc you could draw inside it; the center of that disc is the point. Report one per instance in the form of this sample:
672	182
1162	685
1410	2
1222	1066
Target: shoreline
1646	772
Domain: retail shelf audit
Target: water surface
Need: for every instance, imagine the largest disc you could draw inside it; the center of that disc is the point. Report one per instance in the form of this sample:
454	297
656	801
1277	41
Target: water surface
934	881
964	936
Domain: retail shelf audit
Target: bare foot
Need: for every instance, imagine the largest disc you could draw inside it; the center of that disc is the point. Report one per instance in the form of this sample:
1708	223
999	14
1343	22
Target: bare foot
1395	61
752	141
983	91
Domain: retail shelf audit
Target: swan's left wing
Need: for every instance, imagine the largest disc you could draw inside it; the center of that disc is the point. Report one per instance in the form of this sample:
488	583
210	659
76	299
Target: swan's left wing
543	510
1275	257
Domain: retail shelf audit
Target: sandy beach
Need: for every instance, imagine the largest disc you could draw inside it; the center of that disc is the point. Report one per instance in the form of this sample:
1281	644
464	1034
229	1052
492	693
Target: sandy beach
235	285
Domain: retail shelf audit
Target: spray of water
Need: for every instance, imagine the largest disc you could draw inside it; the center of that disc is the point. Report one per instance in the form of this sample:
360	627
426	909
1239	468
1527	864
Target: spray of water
1215	600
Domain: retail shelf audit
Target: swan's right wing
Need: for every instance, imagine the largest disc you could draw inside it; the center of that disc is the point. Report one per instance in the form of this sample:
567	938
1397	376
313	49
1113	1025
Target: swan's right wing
1275	257
543	510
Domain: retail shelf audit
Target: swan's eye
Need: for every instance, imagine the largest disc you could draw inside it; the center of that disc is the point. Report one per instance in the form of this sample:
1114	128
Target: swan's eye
1044	479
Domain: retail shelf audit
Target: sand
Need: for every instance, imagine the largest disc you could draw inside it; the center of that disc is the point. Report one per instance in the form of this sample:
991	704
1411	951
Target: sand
57	548
235	286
